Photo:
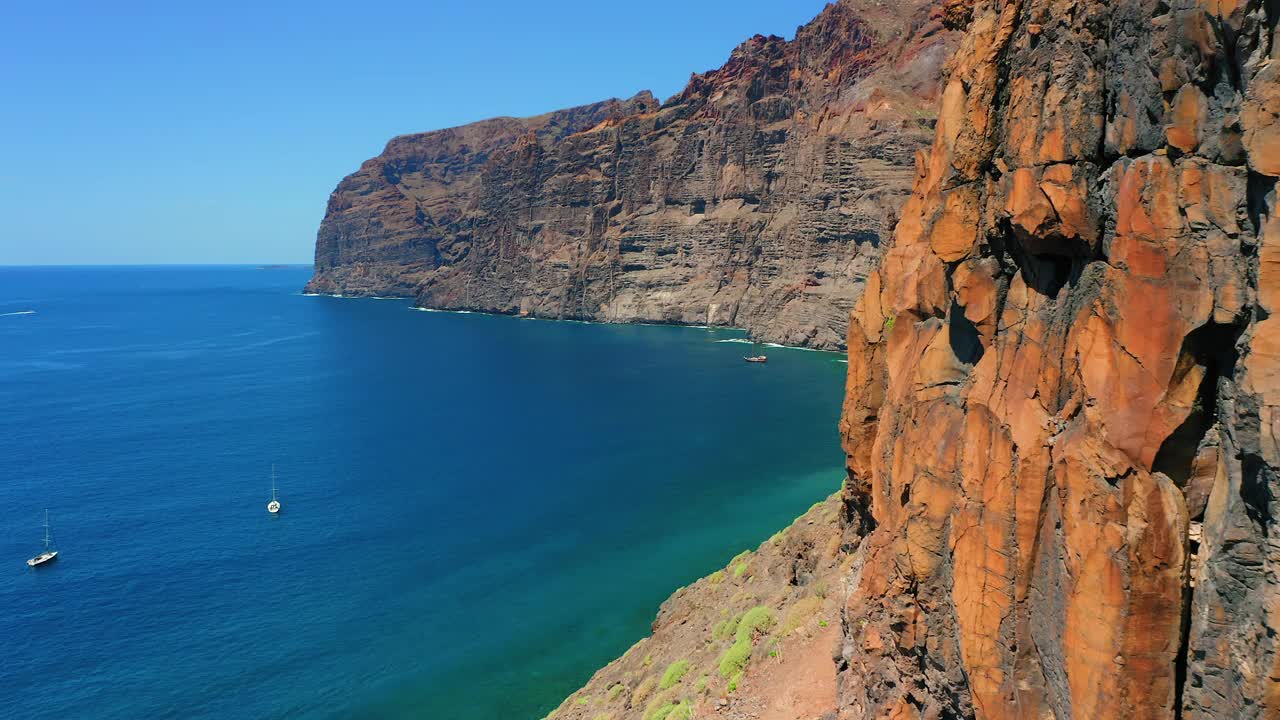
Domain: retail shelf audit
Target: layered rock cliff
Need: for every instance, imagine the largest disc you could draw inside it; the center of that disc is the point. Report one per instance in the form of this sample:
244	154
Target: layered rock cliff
1061	409
757	197
1061	412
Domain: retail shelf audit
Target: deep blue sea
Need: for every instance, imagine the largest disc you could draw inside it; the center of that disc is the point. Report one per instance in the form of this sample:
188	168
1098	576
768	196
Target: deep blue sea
478	511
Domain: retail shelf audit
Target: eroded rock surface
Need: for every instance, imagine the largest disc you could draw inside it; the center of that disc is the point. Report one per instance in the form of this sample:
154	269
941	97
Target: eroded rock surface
757	197
1061	407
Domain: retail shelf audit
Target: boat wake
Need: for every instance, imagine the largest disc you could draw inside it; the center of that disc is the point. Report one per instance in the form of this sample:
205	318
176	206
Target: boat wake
735	340
276	341
20	312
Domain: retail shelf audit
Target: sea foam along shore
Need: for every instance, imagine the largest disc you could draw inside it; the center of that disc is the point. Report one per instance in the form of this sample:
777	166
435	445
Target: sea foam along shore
585	322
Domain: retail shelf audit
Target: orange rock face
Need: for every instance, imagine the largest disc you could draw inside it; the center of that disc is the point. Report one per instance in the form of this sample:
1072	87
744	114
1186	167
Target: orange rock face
1061	413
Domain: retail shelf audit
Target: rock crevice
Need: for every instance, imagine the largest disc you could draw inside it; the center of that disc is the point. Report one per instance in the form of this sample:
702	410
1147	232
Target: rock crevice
1064	369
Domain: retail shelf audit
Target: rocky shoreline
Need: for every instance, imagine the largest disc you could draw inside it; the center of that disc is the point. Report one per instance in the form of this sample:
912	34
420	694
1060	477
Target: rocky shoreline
1062	409
751	640
464	311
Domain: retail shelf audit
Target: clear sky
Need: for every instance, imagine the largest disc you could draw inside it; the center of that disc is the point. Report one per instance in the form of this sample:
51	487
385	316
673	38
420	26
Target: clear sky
213	132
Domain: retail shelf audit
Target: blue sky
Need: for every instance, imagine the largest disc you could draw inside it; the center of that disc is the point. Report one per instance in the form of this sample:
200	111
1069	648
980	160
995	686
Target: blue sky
213	132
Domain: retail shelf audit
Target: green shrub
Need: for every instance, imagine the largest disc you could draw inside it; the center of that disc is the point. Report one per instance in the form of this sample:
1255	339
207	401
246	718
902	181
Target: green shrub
642	691
889	322
716	577
659	709
739	570
661	713
674	674
733	660
726	628
670	711
614	692
800	613
701	685
758	618
735	681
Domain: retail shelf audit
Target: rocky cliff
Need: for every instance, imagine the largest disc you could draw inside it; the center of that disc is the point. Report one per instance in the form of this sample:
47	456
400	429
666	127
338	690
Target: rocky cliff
758	197
1061	412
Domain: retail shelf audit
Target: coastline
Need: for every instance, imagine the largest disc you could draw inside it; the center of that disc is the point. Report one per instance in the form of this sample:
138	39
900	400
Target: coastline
691	326
615	488
740	640
794	648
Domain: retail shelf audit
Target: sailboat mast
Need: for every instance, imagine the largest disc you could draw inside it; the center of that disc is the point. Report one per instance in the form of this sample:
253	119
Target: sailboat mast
46	530
273	481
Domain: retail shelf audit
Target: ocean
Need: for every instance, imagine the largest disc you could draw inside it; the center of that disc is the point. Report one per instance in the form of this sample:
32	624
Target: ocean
478	511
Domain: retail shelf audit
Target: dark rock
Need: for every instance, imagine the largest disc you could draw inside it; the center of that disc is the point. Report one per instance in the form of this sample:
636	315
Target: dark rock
757	197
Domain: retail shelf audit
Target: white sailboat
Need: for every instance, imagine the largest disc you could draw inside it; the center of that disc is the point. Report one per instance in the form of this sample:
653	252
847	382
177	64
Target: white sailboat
274	505
49	554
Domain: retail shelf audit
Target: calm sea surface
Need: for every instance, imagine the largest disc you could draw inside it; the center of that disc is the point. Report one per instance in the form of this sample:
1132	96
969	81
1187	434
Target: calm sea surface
478	511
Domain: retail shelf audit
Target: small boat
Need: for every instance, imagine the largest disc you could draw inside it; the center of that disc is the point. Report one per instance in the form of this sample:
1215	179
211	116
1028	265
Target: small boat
49	554
273	506
757	359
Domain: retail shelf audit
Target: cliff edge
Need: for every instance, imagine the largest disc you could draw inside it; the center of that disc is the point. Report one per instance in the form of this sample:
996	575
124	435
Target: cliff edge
758	197
1061	406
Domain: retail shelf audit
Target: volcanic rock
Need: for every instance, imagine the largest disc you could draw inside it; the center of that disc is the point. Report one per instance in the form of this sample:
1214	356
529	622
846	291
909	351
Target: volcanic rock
1068	360
758	197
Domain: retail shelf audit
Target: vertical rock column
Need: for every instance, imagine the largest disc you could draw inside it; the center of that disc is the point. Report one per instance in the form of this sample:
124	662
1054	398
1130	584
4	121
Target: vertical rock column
1060	417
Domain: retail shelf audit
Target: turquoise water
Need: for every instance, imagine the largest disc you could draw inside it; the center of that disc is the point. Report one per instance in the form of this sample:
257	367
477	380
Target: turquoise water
478	511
